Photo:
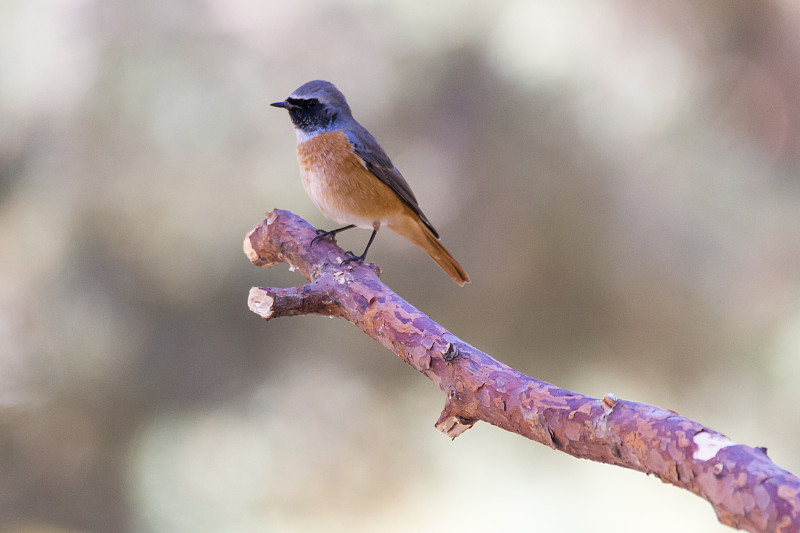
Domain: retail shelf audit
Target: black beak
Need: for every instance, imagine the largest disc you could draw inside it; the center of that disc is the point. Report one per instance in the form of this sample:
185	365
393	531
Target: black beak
285	105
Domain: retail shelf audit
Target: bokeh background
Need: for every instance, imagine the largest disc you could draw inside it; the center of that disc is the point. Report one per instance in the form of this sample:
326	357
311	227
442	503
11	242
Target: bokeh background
621	180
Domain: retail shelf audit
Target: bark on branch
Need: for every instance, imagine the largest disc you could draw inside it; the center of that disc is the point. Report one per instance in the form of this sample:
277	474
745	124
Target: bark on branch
746	489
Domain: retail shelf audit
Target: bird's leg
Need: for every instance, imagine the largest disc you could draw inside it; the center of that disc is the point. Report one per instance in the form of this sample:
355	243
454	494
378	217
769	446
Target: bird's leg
360	258
322	234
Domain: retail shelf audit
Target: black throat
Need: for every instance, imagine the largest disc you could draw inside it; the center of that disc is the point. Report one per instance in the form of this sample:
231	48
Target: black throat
310	118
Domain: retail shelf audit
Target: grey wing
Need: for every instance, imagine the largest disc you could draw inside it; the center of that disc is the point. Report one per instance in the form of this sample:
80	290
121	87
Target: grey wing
367	148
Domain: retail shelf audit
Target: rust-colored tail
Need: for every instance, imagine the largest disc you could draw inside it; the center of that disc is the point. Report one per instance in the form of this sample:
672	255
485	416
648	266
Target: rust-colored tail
413	229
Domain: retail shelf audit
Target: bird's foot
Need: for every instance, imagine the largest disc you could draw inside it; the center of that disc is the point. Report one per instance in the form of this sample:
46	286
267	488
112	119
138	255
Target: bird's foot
353	258
331	234
322	234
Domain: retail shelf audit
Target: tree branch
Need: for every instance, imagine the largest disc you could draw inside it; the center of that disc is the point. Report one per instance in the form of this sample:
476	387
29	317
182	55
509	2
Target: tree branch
746	489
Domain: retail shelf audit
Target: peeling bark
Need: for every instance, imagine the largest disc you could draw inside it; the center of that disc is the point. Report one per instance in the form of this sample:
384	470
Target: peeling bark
746	489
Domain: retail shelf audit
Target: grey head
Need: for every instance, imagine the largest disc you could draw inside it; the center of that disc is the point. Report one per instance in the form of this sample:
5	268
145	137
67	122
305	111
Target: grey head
316	106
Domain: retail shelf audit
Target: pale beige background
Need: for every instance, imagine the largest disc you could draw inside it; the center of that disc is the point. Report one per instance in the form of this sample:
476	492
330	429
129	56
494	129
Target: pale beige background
620	180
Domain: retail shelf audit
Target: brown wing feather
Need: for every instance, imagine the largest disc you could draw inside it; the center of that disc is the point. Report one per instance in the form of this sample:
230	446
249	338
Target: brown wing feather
367	148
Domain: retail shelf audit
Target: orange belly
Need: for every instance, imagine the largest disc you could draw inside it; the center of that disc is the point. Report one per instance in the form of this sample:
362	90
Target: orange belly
340	185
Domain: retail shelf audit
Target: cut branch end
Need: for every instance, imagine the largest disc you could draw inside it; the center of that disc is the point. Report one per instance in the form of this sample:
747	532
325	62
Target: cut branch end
260	302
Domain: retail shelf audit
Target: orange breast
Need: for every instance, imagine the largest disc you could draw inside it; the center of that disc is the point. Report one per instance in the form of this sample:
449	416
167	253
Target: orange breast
340	185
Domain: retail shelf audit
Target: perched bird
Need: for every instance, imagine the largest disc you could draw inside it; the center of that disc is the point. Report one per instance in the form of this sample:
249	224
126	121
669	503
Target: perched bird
351	179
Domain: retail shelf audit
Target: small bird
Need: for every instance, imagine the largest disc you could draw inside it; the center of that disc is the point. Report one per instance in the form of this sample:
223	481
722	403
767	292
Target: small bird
351	179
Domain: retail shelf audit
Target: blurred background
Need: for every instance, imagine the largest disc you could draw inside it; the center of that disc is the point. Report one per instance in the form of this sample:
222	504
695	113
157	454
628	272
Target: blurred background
621	180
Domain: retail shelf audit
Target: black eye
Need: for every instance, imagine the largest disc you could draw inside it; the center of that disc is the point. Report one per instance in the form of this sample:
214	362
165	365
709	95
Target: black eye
312	102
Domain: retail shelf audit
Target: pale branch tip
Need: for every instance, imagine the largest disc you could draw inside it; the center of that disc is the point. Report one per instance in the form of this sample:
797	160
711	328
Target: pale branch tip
260	302
746	489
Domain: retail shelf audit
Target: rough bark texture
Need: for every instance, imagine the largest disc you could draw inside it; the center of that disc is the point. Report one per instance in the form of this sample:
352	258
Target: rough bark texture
746	489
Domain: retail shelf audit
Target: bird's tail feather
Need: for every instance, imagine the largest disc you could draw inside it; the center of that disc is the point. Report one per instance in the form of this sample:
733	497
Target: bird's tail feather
415	231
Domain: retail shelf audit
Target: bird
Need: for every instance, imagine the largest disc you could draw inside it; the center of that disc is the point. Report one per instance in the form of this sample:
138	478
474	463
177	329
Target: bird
350	178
